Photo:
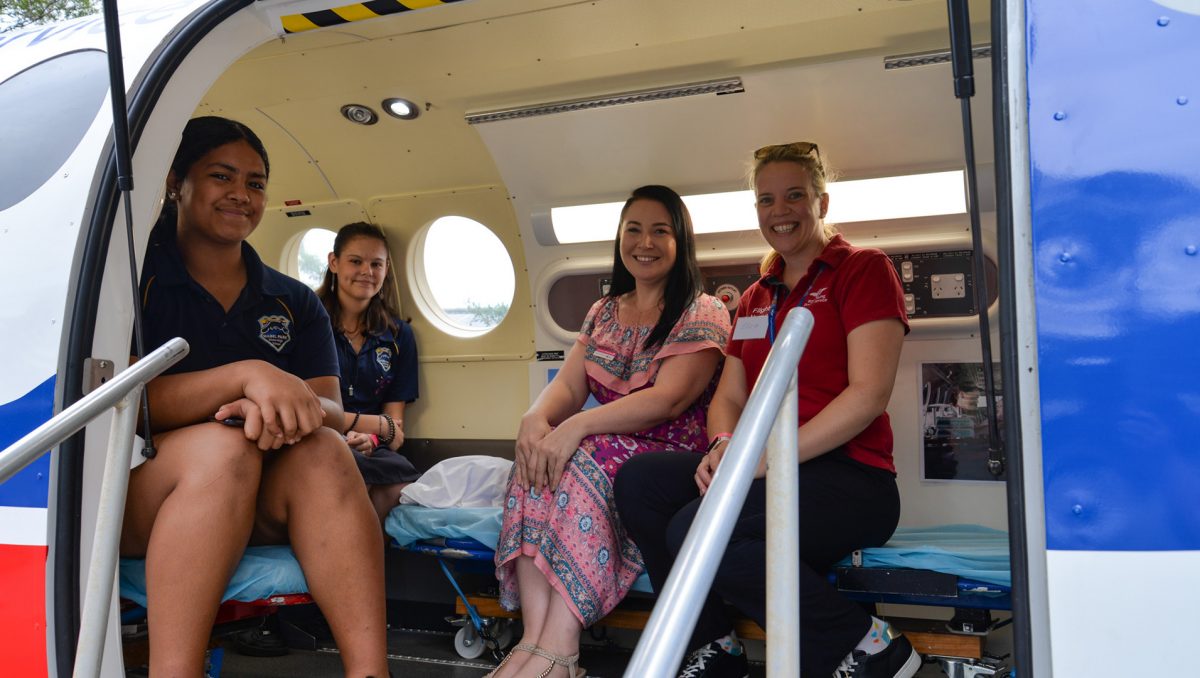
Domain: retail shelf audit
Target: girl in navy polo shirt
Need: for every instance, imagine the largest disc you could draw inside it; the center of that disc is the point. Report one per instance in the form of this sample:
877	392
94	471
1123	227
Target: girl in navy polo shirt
262	354
377	357
848	496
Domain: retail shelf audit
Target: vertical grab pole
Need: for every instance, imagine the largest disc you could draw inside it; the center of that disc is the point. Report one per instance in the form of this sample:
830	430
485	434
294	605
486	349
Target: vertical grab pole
783	539
964	89
102	569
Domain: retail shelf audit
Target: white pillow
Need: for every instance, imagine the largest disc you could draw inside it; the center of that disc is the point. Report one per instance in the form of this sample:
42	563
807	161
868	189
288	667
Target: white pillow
475	481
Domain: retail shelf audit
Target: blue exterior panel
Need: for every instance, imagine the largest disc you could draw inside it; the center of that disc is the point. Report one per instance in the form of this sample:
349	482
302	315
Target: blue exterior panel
1114	127
31	487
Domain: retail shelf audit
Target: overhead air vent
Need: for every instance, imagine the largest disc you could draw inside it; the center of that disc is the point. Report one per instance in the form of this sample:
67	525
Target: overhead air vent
726	86
936	57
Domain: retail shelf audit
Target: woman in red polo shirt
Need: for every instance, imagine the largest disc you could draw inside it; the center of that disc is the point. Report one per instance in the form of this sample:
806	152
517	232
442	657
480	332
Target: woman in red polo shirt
848	496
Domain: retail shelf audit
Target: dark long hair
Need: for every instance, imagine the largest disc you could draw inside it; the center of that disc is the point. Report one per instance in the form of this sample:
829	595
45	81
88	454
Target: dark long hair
683	282
384	307
200	136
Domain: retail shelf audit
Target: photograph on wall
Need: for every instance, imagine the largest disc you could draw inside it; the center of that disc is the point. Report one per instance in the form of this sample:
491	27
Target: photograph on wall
954	412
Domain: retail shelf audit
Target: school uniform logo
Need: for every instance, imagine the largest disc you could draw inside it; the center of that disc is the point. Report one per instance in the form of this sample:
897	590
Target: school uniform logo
276	330
817	296
383	356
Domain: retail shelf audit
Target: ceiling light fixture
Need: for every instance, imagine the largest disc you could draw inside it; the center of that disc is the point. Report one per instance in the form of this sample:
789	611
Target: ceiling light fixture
941	56
401	108
725	86
359	114
851	201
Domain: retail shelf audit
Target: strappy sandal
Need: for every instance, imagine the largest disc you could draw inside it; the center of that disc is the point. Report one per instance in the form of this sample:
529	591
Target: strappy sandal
571	662
523	647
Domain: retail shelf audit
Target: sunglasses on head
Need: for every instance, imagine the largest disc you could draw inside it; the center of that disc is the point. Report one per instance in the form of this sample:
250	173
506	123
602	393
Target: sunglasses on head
797	147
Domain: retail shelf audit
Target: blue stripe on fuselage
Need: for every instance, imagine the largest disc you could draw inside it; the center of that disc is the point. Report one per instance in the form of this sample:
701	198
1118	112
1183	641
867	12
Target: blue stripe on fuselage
30	487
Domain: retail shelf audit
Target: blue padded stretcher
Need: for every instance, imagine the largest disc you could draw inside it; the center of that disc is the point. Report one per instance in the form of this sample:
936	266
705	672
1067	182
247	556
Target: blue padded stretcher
961	566
973	558
968	551
264	572
409	523
457	533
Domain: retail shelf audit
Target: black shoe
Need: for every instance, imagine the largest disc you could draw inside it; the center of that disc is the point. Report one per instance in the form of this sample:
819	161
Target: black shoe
712	661
260	641
898	660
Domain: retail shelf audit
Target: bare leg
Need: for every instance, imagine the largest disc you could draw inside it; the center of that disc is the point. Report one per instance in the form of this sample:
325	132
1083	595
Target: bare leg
560	636
385	498
548	621
313	497
189	511
535	594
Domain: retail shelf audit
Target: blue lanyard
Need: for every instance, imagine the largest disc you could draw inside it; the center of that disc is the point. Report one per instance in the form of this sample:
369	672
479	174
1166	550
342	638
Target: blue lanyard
775	302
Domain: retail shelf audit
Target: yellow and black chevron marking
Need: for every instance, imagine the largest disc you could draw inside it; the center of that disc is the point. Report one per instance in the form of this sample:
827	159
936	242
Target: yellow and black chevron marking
296	23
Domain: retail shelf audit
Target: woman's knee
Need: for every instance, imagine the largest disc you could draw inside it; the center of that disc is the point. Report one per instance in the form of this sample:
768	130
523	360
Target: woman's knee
213	458
322	457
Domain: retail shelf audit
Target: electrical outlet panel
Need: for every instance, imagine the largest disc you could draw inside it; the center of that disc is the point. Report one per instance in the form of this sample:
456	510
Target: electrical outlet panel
939	284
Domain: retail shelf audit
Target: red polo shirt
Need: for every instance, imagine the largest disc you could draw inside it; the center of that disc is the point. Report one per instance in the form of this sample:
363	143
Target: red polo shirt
850	286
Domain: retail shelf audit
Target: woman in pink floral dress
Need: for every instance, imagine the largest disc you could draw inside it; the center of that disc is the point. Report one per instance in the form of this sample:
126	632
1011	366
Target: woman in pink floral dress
648	352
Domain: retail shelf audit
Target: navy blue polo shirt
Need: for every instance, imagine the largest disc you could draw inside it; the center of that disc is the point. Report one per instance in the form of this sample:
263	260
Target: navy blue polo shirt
275	318
384	371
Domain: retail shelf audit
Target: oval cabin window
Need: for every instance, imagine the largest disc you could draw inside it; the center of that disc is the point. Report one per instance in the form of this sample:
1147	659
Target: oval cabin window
463	276
310	256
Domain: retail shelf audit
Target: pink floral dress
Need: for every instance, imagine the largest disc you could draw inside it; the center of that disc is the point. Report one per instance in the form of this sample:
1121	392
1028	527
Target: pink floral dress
573	534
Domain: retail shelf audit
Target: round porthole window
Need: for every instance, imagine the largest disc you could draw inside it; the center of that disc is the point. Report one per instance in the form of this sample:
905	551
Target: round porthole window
464	276
307	256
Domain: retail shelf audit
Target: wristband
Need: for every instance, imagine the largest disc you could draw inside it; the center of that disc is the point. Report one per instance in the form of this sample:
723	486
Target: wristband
374	440
718	439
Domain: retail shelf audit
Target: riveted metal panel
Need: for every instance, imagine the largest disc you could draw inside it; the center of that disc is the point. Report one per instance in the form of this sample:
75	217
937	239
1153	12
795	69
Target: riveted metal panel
1114	130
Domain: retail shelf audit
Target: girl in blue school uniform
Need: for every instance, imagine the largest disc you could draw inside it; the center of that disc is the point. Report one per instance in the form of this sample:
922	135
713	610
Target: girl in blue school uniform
262	354
377	357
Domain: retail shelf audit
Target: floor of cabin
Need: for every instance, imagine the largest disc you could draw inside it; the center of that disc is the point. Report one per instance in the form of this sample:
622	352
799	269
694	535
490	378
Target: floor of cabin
422	654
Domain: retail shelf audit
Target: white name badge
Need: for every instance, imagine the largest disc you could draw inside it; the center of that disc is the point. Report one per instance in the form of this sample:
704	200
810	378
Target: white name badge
750	327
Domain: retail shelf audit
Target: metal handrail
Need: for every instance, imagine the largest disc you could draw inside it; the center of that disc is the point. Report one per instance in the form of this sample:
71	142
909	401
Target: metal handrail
68	422
770	409
122	394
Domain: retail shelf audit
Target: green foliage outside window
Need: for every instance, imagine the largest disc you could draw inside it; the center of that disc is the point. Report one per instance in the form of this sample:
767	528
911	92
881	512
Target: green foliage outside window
20	13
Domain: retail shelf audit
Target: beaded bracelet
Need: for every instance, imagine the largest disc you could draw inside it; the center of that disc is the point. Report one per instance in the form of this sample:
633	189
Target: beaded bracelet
353	422
391	434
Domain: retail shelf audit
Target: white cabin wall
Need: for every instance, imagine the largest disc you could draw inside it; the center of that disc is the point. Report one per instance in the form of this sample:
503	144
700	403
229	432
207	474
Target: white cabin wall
466	382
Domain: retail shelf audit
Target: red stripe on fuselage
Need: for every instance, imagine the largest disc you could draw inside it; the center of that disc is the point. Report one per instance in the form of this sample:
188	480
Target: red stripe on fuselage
23	611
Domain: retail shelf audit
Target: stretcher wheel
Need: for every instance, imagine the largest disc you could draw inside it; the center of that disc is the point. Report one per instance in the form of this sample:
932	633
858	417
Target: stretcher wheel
468	644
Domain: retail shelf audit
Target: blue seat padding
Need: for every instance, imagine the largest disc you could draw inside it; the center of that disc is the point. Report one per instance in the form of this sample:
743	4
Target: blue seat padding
970	551
264	571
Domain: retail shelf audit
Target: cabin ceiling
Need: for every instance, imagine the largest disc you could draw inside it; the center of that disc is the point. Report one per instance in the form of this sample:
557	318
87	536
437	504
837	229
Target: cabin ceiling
812	69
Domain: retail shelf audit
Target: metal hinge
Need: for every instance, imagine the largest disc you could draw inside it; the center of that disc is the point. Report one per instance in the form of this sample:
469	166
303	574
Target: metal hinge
96	371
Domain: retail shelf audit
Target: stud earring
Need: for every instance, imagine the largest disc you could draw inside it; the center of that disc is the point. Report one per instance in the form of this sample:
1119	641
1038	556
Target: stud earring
172	195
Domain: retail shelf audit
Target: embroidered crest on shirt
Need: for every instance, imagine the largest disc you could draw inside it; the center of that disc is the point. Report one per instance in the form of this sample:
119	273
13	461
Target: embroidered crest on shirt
817	296
276	330
383	356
